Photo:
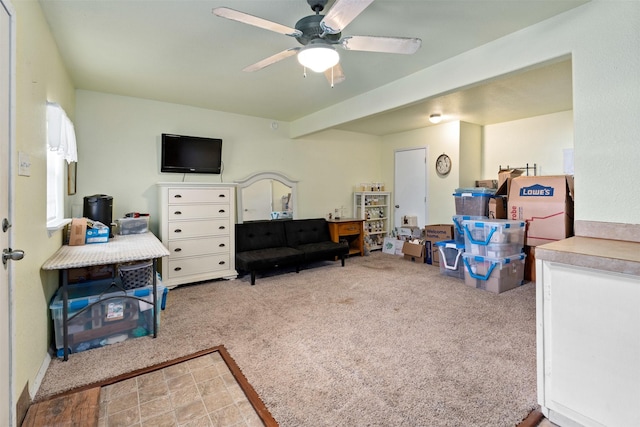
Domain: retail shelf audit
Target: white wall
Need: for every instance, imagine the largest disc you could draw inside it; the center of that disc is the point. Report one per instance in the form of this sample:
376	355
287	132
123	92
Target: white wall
119	153
603	41
40	77
537	140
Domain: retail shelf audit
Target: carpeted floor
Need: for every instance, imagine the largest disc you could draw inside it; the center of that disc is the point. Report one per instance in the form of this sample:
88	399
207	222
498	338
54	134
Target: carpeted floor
380	342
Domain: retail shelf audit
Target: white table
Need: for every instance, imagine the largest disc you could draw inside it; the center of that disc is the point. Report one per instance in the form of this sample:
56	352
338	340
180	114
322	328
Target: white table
121	248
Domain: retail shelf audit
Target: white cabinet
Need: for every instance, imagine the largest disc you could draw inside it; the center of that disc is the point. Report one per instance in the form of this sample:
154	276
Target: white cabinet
374	207
197	226
588	332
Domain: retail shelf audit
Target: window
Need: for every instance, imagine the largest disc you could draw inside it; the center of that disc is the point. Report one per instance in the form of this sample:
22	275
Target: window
61	149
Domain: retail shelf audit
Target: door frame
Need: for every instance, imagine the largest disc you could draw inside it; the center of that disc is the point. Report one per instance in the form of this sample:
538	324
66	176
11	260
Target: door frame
9	406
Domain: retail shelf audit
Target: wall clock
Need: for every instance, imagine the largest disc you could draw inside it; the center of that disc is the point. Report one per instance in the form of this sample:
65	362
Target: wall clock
443	164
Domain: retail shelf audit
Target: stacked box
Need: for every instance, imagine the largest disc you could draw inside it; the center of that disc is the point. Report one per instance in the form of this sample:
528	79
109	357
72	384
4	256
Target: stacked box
133	225
451	263
494	238
458	230
494	274
100	313
473	201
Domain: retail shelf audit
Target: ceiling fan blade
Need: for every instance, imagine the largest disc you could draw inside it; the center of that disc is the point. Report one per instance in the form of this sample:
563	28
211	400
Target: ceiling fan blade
245	18
338	75
406	45
271	60
341	14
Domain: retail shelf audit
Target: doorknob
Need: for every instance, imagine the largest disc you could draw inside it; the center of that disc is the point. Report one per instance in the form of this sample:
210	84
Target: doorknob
397	206
9	254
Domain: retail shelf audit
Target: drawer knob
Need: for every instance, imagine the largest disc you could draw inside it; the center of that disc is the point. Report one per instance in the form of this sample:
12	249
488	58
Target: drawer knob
177	250
221	245
221	195
178	196
221	263
222	227
177	230
177	269
221	211
177	213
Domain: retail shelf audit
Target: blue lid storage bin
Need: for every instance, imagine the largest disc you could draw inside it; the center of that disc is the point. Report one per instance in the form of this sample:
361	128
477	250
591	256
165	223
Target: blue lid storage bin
458	230
493	238
451	263
493	274
473	201
112	319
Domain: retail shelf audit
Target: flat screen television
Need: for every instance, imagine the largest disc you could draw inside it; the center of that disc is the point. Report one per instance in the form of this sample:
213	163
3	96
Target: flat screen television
190	154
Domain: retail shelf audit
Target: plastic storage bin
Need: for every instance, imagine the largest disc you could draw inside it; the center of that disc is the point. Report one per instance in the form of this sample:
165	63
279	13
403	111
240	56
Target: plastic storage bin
113	319
451	263
458	230
493	274
493	238
473	201
133	225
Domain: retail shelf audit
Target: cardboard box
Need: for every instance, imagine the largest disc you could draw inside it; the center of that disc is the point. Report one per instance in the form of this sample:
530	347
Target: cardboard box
414	251
498	207
432	234
487	183
530	264
77	231
546	204
392	246
506	175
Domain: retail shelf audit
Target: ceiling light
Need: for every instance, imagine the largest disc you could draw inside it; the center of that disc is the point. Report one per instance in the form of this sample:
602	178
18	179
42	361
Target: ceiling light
318	57
435	118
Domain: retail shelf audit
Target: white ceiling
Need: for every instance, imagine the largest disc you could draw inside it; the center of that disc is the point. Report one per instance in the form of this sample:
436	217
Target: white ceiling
177	51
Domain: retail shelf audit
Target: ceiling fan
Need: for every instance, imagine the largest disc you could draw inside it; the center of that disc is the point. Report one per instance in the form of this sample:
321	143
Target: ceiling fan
319	34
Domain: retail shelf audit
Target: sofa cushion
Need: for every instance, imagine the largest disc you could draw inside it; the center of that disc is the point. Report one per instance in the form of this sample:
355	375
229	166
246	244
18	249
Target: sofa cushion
324	250
263	259
255	235
305	231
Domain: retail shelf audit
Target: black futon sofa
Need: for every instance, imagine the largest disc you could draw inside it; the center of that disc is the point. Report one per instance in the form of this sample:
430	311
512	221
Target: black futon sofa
264	245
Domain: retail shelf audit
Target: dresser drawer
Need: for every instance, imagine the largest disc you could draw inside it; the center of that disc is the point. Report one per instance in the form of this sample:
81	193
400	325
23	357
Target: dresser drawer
197	211
187	229
349	228
186	248
199	265
198	195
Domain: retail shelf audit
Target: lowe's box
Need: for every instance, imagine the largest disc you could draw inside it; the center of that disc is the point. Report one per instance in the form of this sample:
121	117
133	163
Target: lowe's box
546	204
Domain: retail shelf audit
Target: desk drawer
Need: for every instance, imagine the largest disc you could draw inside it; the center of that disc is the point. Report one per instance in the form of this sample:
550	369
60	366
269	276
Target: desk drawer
198	195
187	248
198	265
349	228
198	211
188	229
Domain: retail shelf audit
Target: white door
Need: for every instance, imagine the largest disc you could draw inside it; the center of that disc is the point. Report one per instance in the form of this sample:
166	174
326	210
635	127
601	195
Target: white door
7	404
410	185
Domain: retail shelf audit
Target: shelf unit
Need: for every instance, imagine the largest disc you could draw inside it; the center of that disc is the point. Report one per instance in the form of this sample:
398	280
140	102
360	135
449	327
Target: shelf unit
375	208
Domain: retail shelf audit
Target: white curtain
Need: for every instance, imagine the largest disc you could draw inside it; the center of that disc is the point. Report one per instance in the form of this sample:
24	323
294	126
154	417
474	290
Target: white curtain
61	135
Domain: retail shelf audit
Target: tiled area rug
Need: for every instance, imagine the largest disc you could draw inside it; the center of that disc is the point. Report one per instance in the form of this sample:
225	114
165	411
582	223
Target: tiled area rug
203	389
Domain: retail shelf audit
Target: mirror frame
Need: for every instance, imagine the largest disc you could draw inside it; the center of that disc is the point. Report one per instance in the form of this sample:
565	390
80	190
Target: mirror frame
241	184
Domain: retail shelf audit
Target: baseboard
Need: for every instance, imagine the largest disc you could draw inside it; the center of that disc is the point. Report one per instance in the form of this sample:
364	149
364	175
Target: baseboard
22	405
40	375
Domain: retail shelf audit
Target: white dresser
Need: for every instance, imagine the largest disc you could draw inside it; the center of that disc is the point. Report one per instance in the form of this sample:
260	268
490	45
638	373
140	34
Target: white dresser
197	225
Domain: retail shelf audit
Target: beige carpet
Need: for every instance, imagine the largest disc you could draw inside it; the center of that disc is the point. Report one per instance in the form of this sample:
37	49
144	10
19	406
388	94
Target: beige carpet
380	342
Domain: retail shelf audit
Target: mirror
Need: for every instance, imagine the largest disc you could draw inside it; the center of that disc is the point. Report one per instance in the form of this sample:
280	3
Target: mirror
266	195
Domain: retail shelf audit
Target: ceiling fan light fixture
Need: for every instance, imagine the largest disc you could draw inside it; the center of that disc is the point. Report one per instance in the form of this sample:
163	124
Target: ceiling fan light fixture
435	118
318	57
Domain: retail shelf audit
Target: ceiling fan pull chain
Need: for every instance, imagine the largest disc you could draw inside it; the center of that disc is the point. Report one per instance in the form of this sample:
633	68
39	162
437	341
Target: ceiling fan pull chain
304	72
332	76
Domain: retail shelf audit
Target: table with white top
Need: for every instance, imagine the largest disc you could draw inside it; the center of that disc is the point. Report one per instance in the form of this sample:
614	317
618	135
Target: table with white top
119	249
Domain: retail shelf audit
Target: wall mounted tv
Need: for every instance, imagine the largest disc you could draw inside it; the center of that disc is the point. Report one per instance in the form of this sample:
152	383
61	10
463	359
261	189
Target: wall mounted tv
190	154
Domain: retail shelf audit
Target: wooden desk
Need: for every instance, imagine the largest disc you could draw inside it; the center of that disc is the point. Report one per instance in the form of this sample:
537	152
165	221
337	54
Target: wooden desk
125	248
350	229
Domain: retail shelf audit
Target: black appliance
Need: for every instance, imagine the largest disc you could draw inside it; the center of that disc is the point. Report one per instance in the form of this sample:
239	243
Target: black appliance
99	207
